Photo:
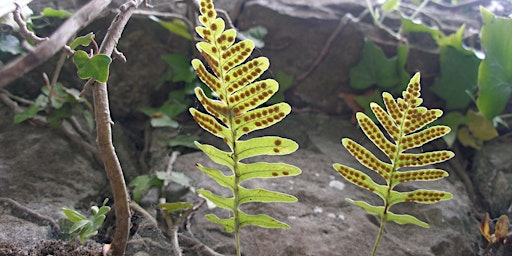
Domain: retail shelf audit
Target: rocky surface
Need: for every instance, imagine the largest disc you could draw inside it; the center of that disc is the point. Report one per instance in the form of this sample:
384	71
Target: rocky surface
322	223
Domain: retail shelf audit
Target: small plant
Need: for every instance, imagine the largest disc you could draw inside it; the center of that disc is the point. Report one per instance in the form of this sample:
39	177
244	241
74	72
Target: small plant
83	227
403	121
235	114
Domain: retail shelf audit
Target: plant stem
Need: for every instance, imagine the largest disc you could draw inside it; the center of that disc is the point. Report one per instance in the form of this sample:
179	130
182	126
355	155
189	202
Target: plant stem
104	138
372	11
236	203
418	10
379	235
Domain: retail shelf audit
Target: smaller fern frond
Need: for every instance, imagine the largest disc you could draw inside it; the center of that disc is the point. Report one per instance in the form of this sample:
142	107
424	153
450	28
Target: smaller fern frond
404	121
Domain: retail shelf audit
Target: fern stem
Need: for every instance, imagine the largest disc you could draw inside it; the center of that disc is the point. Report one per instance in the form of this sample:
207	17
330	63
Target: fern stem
379	235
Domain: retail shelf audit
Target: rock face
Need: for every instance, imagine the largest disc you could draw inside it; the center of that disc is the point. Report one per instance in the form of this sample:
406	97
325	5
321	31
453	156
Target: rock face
43	171
322	222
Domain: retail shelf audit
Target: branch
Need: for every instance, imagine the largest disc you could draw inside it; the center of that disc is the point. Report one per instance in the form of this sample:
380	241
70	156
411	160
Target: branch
42	52
104	133
26	213
27	34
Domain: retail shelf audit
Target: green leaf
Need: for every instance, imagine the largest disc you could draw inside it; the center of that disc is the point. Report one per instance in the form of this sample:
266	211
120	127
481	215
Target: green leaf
390	5
175	26
73	215
176	177
270	145
61	14
406	219
96	67
141	185
495	71
409	25
374	69
28	113
176	206
182	70
452	120
57	115
260	220
227	224
82	41
458	77
219	201
222	179
216	155
263	196
266	170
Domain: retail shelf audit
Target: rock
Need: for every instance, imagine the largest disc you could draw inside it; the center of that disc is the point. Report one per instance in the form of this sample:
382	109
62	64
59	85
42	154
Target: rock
322	222
492	176
43	171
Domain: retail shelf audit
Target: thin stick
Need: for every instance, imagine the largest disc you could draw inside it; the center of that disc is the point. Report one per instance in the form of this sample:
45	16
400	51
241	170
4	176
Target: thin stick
27	34
26	213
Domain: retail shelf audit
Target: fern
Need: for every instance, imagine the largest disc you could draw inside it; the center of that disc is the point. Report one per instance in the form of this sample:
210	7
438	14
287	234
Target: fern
403	121
235	114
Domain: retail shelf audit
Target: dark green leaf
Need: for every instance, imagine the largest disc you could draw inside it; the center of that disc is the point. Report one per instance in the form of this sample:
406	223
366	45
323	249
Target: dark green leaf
458	76
374	69
495	71
142	184
96	67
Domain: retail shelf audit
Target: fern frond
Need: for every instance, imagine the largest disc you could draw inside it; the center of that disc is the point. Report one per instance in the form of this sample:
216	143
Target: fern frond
404	121
235	113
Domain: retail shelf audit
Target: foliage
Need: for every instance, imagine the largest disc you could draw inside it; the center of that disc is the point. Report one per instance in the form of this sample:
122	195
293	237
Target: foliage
175	26
178	101
464	78
95	66
404	121
235	114
84	227
375	69
141	185
495	71
58	102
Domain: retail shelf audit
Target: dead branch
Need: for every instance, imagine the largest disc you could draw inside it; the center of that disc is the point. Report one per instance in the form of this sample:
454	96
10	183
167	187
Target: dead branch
26	213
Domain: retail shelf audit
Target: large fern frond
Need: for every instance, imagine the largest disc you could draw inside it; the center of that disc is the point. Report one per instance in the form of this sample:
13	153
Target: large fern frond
235	113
